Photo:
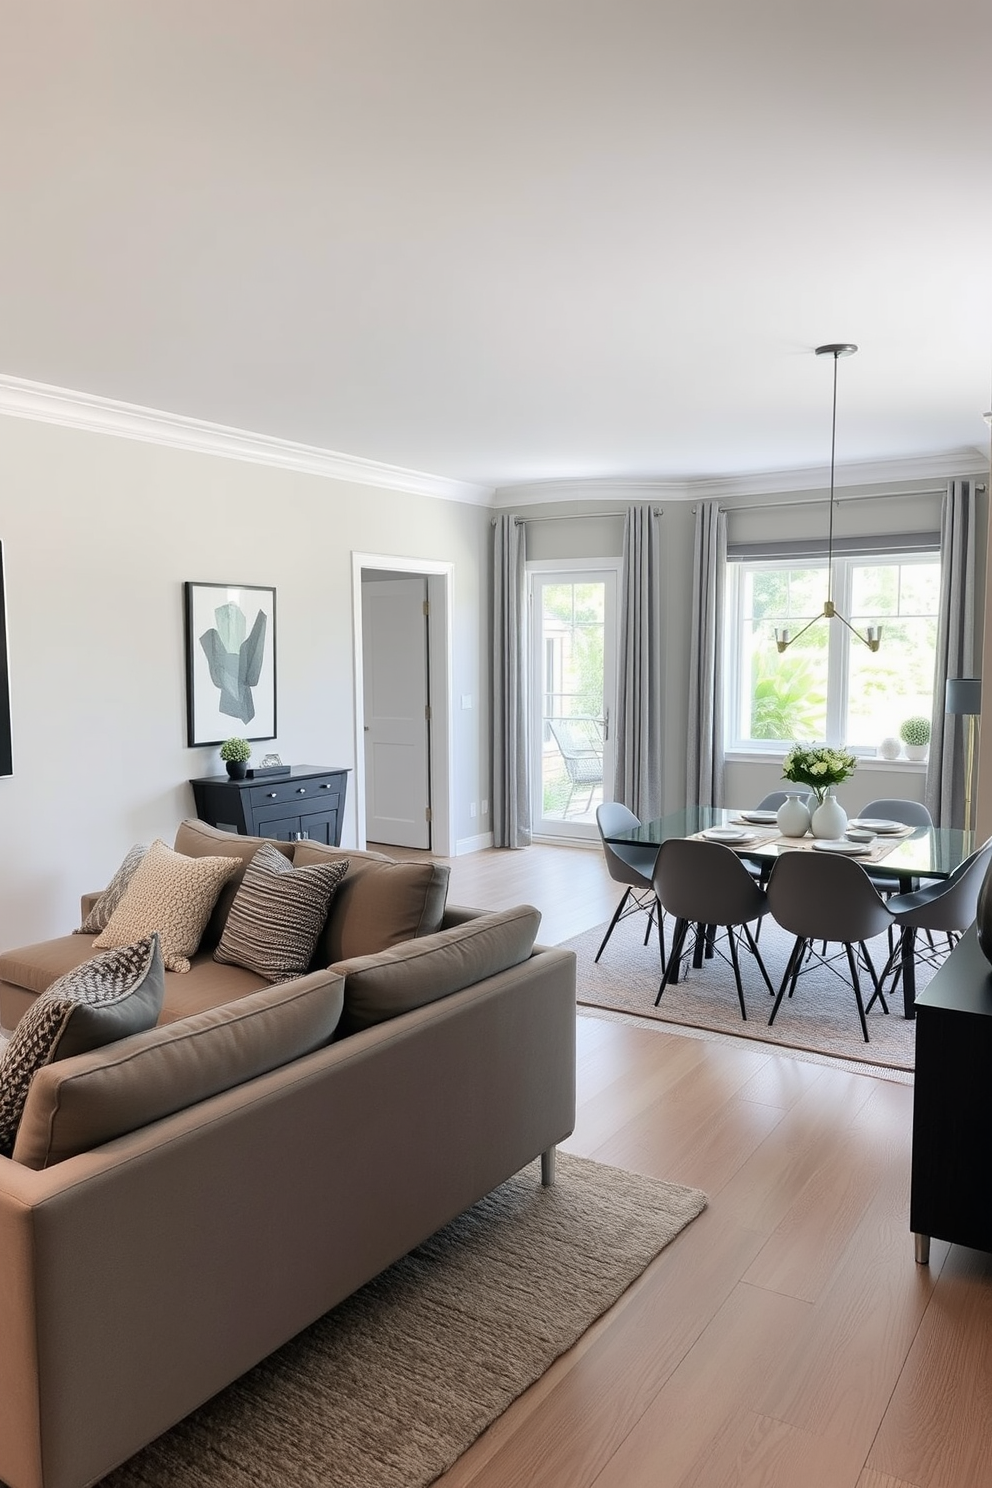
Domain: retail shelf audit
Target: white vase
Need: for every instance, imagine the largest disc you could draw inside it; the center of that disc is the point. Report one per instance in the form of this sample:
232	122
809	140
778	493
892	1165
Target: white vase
890	748
829	818
792	816
917	751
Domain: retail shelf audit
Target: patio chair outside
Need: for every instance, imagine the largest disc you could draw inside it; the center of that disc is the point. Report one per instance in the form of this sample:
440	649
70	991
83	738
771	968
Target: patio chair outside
580	744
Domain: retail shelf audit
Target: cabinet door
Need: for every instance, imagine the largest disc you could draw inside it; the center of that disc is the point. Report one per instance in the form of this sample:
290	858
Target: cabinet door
322	826
280	828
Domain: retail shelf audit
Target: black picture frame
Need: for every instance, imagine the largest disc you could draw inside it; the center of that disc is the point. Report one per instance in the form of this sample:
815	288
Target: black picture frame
6	744
230	662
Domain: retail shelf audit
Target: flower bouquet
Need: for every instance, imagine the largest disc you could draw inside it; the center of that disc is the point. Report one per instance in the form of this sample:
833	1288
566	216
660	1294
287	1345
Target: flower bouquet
818	766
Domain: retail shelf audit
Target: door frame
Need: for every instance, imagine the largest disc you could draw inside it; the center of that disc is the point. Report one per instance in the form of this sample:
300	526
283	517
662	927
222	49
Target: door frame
439	581
585	834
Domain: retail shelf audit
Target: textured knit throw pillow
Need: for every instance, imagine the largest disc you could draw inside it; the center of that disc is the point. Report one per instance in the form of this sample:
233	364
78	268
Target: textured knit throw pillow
277	915
112	895
172	894
114	994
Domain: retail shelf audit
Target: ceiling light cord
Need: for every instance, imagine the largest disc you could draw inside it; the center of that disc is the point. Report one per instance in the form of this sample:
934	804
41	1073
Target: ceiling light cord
784	637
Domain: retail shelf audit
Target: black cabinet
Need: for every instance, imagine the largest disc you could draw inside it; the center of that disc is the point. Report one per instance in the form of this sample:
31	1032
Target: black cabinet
951	1195
306	803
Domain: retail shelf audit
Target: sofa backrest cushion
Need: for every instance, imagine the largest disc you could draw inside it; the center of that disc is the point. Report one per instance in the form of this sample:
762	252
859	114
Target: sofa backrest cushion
114	994
379	903
383	986
278	914
197	839
83	1102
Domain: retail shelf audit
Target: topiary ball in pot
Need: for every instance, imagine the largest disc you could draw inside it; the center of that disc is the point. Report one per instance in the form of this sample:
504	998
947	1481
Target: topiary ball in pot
915	734
236	753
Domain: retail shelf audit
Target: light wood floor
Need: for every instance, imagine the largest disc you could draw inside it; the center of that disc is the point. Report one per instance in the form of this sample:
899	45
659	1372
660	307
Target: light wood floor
787	1339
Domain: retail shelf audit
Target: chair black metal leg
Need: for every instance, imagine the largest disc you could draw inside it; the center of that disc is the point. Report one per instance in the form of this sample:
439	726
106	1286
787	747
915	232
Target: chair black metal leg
793	964
878	980
735	960
752	941
671	971
852	963
612	925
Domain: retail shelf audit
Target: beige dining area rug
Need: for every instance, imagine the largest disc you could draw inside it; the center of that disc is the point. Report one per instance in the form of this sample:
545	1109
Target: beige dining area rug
389	1388
821	1019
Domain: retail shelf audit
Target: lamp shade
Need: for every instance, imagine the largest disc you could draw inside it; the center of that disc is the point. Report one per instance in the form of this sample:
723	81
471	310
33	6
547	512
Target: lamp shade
963	695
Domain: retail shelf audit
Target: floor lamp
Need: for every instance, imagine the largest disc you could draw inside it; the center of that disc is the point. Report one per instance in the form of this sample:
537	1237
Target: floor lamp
964	696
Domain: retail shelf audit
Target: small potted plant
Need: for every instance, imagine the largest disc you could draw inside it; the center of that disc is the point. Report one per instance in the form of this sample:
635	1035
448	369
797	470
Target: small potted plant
236	753
915	734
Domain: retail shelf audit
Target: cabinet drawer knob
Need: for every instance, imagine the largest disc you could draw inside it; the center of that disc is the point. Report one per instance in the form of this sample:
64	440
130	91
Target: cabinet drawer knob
301	790
272	795
326	785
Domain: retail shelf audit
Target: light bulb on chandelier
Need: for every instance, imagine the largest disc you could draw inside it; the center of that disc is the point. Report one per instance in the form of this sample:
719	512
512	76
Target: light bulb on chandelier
873	633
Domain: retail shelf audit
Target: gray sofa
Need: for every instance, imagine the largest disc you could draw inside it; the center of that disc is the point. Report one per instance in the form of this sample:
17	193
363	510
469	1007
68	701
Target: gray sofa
149	1259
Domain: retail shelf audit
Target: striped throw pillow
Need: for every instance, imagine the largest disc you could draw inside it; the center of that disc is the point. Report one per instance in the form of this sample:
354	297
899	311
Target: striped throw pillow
277	915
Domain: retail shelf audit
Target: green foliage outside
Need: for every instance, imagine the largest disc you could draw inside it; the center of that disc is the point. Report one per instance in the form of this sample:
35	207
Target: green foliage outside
786	699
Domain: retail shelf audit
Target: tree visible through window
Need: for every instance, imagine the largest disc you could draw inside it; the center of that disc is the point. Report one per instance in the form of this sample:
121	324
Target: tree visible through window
828	685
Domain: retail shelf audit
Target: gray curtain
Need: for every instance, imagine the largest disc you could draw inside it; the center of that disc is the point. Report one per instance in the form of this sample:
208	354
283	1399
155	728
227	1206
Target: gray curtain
704	766
511	785
955	653
637	779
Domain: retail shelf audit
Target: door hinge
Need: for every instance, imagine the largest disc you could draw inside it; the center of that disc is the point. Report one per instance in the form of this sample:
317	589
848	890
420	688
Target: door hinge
427	606
427	712
428	814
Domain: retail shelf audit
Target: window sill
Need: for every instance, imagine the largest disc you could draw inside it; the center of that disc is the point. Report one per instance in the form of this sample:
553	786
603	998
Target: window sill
865	761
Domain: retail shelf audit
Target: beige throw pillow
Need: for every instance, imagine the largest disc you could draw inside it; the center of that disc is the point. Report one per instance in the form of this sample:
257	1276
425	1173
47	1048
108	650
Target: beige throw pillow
172	894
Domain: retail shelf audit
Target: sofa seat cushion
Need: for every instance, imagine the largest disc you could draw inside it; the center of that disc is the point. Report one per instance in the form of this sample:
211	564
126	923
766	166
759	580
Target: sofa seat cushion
395	981
81	1103
207	984
35	967
110	996
379	903
198	839
277	915
172	894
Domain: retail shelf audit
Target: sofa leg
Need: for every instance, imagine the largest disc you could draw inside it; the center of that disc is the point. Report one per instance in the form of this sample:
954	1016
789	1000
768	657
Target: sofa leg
548	1166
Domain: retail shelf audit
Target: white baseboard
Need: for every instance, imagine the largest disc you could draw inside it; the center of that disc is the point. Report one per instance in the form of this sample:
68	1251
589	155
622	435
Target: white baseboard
473	844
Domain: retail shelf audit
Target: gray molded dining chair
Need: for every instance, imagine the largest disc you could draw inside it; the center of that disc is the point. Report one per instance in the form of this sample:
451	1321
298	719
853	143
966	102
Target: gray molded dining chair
772	801
826	898
631	864
945	906
910	813
705	884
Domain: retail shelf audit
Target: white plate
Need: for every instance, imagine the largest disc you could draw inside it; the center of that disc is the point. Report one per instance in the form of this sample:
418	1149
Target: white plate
840	845
877	824
727	834
760	818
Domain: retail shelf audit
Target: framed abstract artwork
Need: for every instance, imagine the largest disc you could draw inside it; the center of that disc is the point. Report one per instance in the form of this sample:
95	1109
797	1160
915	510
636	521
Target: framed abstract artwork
6	752
230	662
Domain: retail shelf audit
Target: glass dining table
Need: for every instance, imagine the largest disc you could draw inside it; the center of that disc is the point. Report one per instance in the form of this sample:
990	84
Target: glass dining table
926	853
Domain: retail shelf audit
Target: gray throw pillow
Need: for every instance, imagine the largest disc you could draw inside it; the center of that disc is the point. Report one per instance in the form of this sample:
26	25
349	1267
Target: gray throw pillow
110	996
99	915
277	915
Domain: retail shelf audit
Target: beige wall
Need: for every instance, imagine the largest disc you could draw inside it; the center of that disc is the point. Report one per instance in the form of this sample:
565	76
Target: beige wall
99	535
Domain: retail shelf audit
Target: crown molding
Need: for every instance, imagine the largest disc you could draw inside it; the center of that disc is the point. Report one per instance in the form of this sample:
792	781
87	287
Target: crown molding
940	467
544	492
20	398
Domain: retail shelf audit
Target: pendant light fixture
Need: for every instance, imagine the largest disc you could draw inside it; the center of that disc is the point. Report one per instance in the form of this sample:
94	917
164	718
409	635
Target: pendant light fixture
873	637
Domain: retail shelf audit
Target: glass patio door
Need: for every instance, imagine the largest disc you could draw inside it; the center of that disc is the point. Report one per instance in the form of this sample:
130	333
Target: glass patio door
573	684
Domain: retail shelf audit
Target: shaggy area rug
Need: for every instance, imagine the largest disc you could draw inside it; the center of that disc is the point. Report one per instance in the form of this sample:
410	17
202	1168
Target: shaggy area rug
821	1018
389	1388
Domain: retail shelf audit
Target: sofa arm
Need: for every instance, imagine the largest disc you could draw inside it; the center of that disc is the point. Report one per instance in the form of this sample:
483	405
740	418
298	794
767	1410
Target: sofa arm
459	914
87	902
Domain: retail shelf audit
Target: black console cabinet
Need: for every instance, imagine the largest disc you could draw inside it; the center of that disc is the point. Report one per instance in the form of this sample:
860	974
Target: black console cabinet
952	1155
306	803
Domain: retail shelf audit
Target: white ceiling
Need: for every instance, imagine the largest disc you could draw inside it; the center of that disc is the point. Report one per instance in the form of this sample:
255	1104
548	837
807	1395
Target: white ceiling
507	241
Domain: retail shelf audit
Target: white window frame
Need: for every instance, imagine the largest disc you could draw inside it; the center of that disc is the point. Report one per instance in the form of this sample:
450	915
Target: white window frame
838	650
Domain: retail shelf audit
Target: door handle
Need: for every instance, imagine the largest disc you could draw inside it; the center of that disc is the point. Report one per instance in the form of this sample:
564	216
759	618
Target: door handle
606	724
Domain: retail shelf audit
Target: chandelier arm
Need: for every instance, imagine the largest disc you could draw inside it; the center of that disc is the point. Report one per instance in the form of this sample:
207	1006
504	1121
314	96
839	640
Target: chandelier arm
872	643
782	645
